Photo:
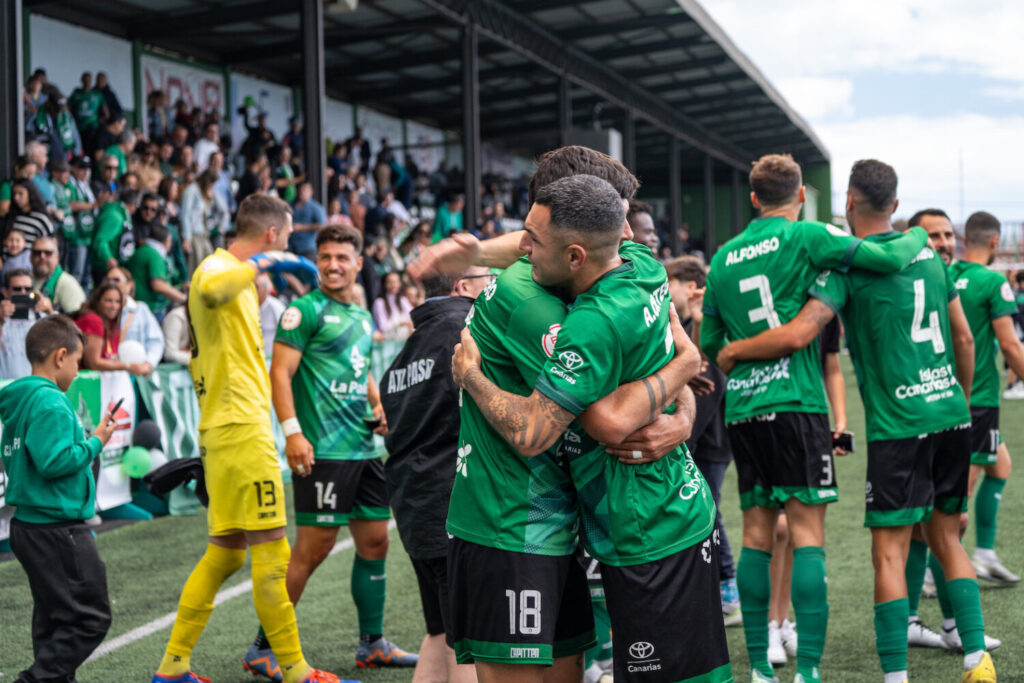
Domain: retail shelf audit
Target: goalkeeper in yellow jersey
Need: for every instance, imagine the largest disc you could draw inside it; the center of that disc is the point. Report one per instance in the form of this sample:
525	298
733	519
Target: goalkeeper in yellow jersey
243	478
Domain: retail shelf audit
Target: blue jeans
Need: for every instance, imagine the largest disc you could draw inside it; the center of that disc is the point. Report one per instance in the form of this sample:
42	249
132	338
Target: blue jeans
714	473
77	260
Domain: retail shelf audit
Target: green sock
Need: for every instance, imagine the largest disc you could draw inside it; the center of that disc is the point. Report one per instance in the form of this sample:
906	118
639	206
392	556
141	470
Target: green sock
602	651
891	634
753	579
917	561
369	586
986	508
966	601
940	586
810	604
261	641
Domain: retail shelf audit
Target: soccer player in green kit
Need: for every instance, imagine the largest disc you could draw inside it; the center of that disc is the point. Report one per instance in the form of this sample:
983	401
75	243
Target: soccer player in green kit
776	412
990	304
914	356
651	526
322	391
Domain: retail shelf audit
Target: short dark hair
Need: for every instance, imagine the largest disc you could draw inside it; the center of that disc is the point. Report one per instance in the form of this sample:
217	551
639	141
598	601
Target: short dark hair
578	160
637	207
440	285
159	232
980	228
57	165
50	334
258	213
916	218
585	205
342	234
130	196
876	181
16	272
775	179
687	269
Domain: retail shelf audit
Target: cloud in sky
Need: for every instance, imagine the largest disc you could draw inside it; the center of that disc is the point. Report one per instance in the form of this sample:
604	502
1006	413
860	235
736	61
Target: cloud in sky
912	83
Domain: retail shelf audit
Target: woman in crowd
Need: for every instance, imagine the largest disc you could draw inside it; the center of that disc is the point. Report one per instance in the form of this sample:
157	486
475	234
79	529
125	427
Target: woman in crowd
28	213
391	309
334	213
149	167
137	320
203	216
168	190
99	321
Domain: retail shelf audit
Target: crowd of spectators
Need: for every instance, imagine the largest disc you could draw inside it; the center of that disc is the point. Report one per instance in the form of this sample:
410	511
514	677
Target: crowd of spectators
110	222
107	223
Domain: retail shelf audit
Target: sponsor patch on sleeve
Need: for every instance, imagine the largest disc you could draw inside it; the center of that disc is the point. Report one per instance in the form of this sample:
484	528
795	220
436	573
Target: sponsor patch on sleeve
291	318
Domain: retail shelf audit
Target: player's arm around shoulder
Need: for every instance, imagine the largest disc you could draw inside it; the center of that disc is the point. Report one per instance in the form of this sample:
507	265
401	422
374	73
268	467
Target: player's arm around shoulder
780	341
963	346
530	424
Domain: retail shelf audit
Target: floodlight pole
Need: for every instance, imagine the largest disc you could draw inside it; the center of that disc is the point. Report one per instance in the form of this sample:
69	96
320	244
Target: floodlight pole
313	95
12	122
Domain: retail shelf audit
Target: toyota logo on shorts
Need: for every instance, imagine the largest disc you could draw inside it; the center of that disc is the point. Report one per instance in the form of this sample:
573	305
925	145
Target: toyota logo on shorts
641	649
570	359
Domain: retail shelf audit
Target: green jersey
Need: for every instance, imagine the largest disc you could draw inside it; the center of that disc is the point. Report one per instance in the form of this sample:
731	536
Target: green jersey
329	387
501	499
759	280
618	332
85	105
84	220
62	197
146	264
985	296
897	327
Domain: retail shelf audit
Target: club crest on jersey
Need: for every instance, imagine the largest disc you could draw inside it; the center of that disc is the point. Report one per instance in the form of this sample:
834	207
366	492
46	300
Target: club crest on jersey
291	318
460	463
358	361
490	289
547	342
1006	291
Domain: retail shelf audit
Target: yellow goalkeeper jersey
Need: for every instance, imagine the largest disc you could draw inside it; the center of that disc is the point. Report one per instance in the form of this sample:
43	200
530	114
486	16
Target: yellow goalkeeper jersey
228	367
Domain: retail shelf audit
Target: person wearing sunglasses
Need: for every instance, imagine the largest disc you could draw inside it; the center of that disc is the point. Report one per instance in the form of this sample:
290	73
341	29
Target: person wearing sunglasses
17	315
51	280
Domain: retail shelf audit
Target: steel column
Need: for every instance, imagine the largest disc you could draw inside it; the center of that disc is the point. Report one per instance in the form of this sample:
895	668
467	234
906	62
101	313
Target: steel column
629	141
675	200
12	121
737	203
564	110
472	158
709	206
313	95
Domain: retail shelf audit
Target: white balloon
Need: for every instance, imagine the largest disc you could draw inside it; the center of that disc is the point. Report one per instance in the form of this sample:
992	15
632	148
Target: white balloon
157	459
131	351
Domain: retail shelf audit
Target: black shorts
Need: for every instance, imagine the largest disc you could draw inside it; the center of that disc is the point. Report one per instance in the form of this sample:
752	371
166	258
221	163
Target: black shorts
516	608
781	456
339	490
907	478
592	570
667	617
432	577
985	437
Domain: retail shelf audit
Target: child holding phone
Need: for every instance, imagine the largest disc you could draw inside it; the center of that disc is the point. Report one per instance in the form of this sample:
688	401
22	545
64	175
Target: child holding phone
48	458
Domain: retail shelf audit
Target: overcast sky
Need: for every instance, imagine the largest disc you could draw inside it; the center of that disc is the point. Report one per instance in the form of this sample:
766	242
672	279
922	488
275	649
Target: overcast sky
915	84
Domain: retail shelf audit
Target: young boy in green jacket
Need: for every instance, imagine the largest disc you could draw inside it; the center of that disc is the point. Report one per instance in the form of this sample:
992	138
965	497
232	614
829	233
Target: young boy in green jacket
47	459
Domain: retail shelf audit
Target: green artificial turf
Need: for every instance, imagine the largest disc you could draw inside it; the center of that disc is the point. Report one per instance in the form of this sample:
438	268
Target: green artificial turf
147	564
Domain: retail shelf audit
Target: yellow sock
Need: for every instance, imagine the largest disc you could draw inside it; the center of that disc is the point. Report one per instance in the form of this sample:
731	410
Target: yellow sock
275	610
196	603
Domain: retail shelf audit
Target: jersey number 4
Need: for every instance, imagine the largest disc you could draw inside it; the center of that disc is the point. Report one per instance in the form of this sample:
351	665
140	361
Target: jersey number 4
932	333
766	311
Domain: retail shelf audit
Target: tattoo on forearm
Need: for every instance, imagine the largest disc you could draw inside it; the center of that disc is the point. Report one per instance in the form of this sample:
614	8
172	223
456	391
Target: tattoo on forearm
664	393
519	419
822	315
652	401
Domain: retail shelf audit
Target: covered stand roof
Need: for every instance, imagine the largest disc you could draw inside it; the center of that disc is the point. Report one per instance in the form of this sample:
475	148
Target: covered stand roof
664	60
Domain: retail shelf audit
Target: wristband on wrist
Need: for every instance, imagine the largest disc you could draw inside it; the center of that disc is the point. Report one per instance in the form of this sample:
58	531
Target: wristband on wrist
291	426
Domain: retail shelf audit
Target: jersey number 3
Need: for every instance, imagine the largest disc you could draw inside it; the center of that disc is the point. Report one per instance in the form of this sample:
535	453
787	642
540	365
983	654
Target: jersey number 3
766	311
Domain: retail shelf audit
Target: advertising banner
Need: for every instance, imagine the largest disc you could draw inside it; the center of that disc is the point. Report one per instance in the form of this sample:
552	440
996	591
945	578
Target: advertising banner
197	86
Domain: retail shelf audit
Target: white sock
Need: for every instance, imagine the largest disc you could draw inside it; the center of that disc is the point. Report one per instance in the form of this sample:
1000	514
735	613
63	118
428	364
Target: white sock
911	619
592	674
896	677
972	659
985	554
948	624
